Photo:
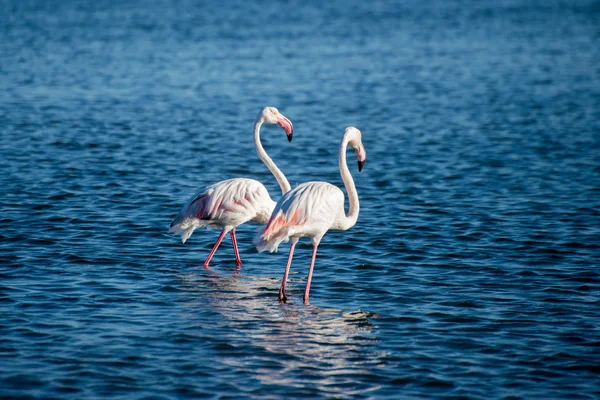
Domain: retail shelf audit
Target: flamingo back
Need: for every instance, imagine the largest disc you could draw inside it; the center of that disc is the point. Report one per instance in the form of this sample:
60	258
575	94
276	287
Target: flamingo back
310	209
226	204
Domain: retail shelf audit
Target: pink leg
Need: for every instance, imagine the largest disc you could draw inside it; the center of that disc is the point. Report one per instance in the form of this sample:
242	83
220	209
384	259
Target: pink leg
310	271
215	247
238	260
282	296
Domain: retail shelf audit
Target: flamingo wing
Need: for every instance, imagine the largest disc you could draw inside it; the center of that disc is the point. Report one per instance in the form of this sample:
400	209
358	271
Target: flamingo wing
227	204
232	196
310	208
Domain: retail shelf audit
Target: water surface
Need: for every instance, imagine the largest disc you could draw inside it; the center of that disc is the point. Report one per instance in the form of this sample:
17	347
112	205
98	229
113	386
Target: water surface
472	271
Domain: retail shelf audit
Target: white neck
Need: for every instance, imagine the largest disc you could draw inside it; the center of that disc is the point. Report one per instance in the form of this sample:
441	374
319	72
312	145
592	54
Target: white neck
348	221
281	179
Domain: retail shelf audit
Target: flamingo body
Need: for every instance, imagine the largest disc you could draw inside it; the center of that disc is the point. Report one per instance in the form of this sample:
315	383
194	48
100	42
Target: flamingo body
310	209
226	205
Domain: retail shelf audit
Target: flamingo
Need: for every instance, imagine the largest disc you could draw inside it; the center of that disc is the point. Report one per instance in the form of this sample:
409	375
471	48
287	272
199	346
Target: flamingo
230	203
313	208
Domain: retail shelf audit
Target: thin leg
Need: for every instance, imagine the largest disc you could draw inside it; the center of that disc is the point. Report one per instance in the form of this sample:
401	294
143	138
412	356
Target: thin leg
310	271
282	296
215	247
238	260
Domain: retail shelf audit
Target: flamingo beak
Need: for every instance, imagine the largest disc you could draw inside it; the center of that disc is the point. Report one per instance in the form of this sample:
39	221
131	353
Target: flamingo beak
361	164
361	156
287	126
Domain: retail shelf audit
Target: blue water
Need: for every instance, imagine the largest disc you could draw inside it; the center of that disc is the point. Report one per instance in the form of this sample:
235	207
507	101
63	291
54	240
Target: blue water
472	271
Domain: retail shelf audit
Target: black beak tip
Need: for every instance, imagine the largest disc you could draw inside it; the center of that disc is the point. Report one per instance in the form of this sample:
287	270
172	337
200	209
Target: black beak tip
290	136
361	164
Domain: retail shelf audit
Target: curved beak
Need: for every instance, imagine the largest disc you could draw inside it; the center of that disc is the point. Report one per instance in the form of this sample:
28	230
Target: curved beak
361	164
287	126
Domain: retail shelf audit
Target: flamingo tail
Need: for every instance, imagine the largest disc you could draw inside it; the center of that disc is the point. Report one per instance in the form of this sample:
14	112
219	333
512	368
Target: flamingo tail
186	226
272	242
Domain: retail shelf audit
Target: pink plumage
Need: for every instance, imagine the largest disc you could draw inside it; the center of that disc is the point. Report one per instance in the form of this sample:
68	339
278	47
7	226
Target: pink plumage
307	210
226	204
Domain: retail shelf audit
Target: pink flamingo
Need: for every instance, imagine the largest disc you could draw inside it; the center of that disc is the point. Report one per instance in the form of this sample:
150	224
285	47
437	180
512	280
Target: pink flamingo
313	208
230	203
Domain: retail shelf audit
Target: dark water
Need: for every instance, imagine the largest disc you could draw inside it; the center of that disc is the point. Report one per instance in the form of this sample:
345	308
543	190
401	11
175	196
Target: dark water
472	271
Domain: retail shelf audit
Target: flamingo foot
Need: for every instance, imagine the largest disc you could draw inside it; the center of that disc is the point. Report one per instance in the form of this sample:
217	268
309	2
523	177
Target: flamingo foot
238	264
282	297
306	302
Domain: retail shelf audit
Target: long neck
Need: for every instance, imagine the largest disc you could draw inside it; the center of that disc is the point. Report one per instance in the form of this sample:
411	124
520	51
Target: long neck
281	179
348	221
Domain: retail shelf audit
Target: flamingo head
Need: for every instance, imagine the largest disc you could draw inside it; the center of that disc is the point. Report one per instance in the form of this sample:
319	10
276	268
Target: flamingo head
355	140
271	115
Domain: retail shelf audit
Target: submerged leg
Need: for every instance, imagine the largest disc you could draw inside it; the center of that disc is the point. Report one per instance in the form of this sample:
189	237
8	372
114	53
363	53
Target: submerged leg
238	260
214	249
282	296
310	271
